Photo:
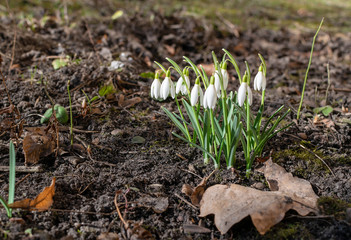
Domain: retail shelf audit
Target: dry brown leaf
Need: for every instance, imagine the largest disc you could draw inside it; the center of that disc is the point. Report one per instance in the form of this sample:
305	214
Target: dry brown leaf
230	204
209	68
195	193
38	143
297	188
41	203
129	102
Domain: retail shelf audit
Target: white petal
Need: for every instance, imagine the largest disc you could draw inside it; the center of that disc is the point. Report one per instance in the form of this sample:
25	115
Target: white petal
205	99
264	82
249	93
201	96
155	88
225	78
242	94
210	98
179	85
165	88
194	95
217	84
259	80
255	82
172	89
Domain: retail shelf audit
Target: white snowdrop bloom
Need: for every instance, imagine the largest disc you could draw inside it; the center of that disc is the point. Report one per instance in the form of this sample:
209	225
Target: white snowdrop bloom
242	93
155	87
210	97
196	92
260	80
243	89
181	85
218	83
167	87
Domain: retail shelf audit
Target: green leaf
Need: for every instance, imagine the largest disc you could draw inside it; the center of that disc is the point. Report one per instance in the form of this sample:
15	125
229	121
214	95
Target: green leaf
326	110
117	14
107	89
61	115
12	175
150	75
60	62
175	120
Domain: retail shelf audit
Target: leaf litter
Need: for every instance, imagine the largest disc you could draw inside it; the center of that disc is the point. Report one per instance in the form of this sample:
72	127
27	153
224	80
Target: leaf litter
231	204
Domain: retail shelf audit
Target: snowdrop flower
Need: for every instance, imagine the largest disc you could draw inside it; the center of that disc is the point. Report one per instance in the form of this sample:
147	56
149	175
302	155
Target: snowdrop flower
225	77
260	80
167	87
155	87
196	92
210	97
183	84
243	89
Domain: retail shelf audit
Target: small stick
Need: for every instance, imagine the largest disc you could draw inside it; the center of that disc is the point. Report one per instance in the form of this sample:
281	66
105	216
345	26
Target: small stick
184	200
92	43
119	212
24	169
318	158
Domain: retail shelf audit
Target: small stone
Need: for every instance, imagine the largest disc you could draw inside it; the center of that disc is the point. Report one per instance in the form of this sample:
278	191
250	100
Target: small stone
258	185
302	135
117	132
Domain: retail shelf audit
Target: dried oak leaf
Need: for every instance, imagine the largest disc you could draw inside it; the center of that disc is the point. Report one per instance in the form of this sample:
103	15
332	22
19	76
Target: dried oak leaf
38	143
41	203
195	193
230	204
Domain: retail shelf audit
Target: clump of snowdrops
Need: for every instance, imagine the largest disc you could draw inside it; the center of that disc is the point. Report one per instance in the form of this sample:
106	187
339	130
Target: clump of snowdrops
220	121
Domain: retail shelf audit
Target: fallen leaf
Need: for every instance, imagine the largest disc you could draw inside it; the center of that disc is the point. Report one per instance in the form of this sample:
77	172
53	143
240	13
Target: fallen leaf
192	228
41	203
297	188
170	49
209	68
230	204
38	143
129	102
138	140
195	193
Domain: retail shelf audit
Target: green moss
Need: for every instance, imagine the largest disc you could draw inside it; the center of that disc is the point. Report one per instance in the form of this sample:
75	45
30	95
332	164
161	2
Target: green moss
312	162
333	206
293	230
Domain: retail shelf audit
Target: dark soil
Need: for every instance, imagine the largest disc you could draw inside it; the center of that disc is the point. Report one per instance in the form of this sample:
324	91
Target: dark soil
106	156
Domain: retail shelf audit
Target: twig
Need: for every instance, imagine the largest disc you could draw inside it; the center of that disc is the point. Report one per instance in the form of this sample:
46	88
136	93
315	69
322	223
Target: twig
119	212
13	48
184	200
318	158
24	169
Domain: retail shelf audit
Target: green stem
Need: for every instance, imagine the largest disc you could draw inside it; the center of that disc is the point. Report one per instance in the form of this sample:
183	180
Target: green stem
70	112
262	106
214	140
307	70
248	136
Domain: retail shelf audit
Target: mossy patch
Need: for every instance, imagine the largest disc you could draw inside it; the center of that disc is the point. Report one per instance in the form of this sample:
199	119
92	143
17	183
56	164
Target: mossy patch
310	162
333	206
288	231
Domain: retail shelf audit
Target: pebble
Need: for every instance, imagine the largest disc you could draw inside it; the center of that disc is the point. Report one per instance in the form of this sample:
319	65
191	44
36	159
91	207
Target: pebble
258	185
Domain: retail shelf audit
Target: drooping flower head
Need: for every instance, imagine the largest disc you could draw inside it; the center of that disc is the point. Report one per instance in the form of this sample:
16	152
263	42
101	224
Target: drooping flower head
155	87
243	89
210	97
183	84
225	77
196	92
260	80
167	87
